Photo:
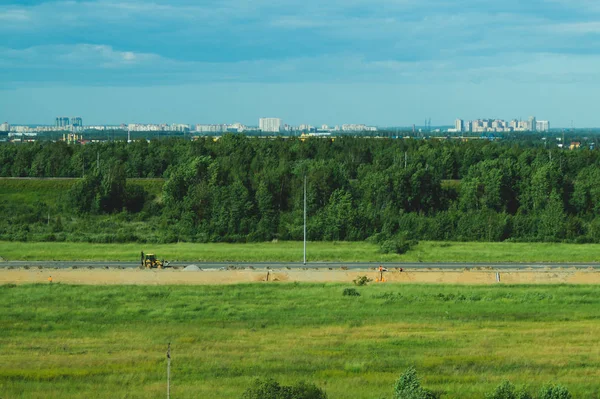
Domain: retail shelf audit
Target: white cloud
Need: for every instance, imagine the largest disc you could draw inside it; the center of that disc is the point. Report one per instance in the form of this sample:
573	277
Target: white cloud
14	15
88	56
578	28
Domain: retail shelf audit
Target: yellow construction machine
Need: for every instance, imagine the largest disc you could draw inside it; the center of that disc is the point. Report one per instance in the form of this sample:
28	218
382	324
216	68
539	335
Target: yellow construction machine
150	262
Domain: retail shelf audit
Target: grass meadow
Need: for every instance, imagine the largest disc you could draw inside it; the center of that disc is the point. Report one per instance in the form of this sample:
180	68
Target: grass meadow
289	251
62	341
53	190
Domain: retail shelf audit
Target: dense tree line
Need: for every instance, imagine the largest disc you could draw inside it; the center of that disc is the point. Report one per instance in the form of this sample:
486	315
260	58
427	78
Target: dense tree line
238	188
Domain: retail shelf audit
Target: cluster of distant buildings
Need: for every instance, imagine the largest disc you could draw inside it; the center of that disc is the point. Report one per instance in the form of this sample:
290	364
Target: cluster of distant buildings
500	125
276	125
265	125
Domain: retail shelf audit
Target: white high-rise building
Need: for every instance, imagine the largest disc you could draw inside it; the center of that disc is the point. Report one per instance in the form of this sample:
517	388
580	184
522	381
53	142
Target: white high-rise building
271	125
459	125
5	127
542	126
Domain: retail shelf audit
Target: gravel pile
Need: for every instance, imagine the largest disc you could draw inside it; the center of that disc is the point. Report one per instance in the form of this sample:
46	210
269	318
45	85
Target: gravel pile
191	268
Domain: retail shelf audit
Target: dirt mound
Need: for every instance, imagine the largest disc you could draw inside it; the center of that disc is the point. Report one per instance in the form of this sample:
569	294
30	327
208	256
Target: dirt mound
191	268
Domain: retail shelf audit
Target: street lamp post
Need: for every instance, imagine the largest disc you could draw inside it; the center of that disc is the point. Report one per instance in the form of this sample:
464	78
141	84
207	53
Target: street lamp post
304	219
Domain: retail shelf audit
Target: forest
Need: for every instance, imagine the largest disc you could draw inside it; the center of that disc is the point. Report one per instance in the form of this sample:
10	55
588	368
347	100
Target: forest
244	189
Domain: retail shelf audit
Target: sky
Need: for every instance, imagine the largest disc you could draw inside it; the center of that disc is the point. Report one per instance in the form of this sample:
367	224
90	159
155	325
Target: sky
378	62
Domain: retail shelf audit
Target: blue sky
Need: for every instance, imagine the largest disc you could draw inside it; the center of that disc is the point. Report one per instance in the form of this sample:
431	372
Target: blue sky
383	62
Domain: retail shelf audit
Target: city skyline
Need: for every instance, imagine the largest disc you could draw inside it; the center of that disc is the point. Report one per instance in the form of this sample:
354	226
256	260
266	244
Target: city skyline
375	62
275	125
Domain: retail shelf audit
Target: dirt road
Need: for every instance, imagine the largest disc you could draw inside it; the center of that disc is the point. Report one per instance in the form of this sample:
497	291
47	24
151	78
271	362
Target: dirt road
169	277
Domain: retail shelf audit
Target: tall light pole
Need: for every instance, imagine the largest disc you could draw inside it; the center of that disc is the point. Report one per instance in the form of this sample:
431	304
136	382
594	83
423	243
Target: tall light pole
305	219
169	371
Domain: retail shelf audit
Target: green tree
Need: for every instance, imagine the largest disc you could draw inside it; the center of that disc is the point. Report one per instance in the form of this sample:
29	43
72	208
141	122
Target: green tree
408	386
552	219
267	224
586	194
112	193
339	216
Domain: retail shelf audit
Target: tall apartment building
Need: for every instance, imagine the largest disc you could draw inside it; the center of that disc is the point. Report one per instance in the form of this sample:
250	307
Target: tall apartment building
62	121
459	125
271	125
76	121
5	127
532	124
542	126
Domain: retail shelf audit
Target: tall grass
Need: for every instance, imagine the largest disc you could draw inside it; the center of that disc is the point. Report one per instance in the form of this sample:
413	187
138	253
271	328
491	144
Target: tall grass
62	341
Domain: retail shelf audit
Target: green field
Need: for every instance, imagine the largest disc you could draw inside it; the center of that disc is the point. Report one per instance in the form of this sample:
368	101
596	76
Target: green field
317	251
32	191
61	341
54	190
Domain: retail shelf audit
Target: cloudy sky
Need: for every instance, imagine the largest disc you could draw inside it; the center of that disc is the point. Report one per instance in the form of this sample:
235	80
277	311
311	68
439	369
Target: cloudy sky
382	62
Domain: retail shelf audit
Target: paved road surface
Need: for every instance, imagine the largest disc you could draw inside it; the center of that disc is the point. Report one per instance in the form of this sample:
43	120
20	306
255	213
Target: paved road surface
298	265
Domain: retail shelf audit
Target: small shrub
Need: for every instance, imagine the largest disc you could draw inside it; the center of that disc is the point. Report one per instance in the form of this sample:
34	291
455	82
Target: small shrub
270	389
397	245
350	292
554	392
506	390
362	280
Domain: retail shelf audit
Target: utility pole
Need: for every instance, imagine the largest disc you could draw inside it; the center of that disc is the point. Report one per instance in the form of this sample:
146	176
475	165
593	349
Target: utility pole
169	371
304	219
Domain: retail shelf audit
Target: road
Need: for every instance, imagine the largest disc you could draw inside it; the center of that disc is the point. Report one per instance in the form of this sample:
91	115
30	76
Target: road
297	265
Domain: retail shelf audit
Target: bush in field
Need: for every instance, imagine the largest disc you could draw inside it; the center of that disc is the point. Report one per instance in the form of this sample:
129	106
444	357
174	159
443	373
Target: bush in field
362	280
506	390
408	386
554	392
350	292
397	245
270	389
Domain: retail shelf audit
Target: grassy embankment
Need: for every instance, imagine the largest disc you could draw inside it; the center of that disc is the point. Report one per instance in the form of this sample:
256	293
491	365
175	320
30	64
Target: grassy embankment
317	251
52	191
38	211
61	341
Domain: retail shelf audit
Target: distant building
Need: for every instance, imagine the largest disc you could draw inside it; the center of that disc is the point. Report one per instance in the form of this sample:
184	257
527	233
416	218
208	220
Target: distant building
306	128
62	122
72	138
271	125
5	127
500	125
459	125
358	128
532	124
221	128
542	126
179	127
77	122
